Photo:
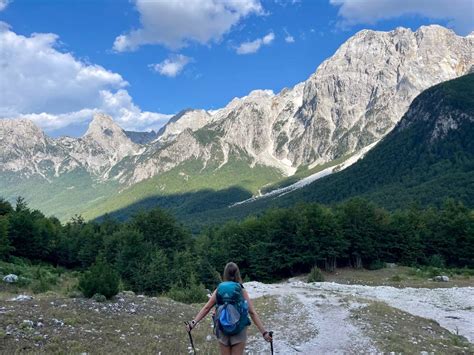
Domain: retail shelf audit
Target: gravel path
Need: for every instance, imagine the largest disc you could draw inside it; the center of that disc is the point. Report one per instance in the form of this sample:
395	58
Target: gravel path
309	320
322	312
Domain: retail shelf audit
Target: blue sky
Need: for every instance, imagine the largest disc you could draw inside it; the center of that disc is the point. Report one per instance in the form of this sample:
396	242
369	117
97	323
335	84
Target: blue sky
142	61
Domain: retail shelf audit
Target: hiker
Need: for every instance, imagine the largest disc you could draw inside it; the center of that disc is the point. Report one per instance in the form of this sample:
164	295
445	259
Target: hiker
233	305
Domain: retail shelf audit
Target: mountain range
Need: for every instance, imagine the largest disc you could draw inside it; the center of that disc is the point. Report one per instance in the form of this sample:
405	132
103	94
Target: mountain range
255	143
427	158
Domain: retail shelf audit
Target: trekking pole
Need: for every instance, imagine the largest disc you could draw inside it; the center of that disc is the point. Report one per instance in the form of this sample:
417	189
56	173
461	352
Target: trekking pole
190	338
271	342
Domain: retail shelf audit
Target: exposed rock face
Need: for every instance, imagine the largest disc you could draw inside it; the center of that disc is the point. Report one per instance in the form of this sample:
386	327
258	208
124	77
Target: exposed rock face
186	119
25	149
352	100
358	95
103	146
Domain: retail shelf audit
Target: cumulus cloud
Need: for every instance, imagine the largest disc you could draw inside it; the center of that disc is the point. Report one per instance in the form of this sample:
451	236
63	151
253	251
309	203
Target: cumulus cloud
457	12
176	23
4	4
254	46
172	66
120	106
55	89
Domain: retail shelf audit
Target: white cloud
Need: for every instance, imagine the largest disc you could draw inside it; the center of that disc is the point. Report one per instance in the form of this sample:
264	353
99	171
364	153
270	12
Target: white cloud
458	12
176	23
4	4
173	66
254	46
120	106
289	38
55	89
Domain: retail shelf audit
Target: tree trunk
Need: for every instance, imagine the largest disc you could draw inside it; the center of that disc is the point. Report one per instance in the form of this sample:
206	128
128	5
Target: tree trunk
330	264
358	262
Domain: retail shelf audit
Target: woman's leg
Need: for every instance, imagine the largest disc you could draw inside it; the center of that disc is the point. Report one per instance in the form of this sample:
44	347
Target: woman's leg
225	350
237	349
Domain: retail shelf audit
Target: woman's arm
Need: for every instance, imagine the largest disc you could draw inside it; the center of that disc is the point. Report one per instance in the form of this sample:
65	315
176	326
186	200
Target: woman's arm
255	317
204	311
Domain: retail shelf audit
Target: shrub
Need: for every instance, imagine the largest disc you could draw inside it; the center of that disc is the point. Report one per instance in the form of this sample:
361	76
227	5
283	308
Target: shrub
101	278
194	293
315	275
376	265
396	278
436	261
44	279
99	297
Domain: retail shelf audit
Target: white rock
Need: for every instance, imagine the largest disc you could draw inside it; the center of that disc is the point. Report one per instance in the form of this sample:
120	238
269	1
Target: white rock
10	278
28	323
21	298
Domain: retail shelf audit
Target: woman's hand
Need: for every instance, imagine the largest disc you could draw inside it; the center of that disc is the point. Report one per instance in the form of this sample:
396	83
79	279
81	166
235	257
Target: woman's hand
190	325
266	335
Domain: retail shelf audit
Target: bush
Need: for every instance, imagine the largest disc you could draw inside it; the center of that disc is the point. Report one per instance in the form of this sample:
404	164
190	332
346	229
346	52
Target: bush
99	298
396	278
315	275
376	265
195	293
101	278
437	261
44	279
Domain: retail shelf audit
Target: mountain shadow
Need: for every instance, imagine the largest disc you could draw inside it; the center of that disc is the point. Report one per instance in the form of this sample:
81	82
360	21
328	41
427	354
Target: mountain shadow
428	157
186	204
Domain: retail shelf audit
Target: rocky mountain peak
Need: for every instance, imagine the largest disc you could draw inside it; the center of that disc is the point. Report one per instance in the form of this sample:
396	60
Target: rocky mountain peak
359	94
103	125
22	132
186	119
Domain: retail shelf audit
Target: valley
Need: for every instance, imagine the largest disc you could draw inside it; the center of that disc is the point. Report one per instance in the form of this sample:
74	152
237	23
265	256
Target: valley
302	315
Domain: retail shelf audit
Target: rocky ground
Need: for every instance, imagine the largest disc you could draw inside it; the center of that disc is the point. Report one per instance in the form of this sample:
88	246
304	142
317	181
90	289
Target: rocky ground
317	318
332	318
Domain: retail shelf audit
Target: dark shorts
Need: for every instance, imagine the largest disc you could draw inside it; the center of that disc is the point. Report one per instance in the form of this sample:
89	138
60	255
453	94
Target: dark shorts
230	340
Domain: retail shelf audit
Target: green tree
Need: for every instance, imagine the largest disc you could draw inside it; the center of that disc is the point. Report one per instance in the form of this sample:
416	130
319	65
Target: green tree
100	278
5	247
161	229
5	207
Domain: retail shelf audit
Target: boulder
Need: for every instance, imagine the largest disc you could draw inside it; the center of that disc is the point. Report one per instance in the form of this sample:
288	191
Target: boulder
11	278
441	278
21	298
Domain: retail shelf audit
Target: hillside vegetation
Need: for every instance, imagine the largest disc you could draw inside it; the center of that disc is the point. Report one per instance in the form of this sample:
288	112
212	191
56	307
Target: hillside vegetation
428	157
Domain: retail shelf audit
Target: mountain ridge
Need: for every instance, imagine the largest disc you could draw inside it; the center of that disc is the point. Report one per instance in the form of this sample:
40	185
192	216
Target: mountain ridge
354	98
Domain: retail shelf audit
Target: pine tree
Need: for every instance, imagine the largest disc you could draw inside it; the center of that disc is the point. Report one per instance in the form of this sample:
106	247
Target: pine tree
5	247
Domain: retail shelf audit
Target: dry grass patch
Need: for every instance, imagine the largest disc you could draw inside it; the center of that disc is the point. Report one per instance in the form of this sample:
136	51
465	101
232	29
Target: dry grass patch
393	330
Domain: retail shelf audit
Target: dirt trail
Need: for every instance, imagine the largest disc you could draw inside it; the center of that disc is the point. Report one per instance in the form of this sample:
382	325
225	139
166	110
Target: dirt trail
316	318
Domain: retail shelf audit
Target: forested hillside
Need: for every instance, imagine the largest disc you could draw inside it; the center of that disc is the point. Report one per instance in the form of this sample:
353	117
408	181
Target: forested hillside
152	253
428	157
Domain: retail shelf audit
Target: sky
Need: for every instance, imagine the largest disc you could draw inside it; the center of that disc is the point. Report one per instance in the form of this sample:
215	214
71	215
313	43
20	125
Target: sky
141	61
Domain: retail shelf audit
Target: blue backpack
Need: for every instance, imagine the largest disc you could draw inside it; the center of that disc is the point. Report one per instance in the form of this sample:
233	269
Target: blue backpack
232	309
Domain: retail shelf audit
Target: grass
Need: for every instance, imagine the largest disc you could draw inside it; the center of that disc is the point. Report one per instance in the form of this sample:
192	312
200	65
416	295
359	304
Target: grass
36	278
303	172
393	330
189	177
129	324
402	276
63	197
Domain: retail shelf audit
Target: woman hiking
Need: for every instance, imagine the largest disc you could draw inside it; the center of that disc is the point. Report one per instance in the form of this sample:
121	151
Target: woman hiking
233	305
